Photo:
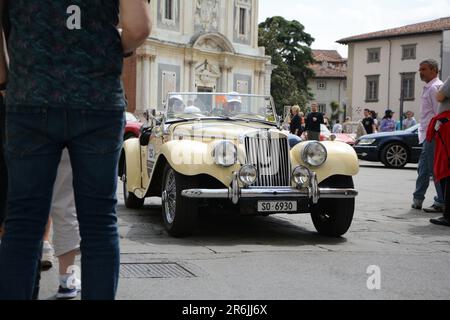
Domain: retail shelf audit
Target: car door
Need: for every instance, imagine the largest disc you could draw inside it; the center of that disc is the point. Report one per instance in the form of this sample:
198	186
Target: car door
416	148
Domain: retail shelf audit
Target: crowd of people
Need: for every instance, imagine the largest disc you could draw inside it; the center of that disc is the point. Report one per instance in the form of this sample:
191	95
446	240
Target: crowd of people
435	158
296	123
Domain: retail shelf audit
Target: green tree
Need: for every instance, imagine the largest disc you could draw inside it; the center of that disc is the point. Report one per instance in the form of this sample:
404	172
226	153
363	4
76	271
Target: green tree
289	46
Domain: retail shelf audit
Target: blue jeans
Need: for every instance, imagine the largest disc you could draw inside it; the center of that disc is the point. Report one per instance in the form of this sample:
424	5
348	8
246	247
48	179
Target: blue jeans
425	170
3	172
35	139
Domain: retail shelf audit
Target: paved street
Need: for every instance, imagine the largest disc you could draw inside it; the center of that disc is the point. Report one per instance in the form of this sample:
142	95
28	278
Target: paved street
282	257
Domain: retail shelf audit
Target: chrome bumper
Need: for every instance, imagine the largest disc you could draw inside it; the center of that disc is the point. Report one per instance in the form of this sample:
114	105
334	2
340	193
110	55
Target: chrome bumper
235	193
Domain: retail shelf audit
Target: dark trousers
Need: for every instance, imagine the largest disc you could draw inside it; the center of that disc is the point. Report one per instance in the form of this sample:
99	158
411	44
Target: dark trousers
313	136
4	188
3	171
36	137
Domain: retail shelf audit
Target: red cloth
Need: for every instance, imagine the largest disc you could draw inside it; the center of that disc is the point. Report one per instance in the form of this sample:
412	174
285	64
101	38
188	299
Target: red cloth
442	153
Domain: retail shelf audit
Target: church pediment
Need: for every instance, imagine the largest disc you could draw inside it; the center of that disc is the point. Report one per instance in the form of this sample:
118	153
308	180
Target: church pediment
212	42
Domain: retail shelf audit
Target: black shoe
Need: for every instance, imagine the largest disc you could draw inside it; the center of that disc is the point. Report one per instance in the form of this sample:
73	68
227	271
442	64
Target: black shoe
434	209
442	221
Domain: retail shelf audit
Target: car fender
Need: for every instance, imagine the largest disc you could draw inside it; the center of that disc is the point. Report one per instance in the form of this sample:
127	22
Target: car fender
131	152
192	158
342	160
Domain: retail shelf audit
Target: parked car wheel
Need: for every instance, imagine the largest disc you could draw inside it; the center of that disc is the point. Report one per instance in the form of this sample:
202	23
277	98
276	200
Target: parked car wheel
131	201
333	217
394	155
179	213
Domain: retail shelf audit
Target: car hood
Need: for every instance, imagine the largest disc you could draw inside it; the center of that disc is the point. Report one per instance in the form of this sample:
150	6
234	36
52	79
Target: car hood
385	134
220	129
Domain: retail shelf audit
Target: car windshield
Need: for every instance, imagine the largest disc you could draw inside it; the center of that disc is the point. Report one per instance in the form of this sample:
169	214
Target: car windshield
186	106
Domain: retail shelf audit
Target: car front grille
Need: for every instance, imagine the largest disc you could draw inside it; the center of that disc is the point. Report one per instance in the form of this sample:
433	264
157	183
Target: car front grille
270	155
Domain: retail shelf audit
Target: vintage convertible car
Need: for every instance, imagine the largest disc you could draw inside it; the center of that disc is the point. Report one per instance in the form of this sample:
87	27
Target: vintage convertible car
210	150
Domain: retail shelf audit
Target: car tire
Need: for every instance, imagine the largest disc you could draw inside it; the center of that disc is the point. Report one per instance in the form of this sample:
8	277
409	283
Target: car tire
179	213
395	155
333	217
130	199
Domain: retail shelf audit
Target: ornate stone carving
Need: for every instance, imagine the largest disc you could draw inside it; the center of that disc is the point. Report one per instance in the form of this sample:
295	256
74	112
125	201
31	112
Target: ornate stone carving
209	45
206	75
206	14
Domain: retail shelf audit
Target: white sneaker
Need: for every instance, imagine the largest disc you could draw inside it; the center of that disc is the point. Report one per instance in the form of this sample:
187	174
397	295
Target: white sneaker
47	256
68	290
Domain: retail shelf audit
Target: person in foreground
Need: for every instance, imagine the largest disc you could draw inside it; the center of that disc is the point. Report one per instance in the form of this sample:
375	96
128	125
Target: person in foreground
64	91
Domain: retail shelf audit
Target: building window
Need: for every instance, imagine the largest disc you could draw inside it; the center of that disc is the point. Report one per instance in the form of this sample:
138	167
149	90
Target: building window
372	88
373	55
242	15
408	85
322	108
409	52
168	12
321	85
242	24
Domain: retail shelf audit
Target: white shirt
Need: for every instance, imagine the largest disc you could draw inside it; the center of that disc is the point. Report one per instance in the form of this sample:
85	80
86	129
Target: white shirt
429	106
337	128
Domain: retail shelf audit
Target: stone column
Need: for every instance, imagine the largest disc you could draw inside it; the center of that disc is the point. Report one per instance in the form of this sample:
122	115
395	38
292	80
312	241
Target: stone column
230	79
268	78
192	65
145	82
139	64
255	88
153	82
261	77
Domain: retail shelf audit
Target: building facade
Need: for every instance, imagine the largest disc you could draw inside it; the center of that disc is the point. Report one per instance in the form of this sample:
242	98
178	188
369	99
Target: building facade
383	64
199	46
330	81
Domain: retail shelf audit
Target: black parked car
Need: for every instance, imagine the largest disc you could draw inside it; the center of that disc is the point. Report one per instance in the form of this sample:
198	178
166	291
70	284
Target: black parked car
393	149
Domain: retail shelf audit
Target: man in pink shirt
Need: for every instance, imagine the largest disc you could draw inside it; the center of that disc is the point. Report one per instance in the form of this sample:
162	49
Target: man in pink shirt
429	71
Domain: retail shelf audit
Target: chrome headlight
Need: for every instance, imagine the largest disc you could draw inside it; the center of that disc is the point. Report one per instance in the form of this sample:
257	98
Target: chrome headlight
248	175
301	176
225	154
366	142
315	154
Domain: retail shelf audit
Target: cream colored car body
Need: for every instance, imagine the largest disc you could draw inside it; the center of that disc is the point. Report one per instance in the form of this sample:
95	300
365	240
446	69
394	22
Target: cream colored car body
177	143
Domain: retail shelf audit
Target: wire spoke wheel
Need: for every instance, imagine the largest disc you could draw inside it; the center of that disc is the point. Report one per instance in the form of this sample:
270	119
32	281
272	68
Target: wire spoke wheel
171	196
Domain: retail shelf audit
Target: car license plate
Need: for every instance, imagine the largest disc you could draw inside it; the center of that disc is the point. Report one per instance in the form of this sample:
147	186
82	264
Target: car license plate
277	206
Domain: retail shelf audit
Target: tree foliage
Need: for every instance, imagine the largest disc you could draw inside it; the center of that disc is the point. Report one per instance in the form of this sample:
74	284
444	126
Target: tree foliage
289	46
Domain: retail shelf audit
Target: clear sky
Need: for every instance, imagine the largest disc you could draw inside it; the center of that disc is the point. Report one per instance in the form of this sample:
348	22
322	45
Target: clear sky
331	20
